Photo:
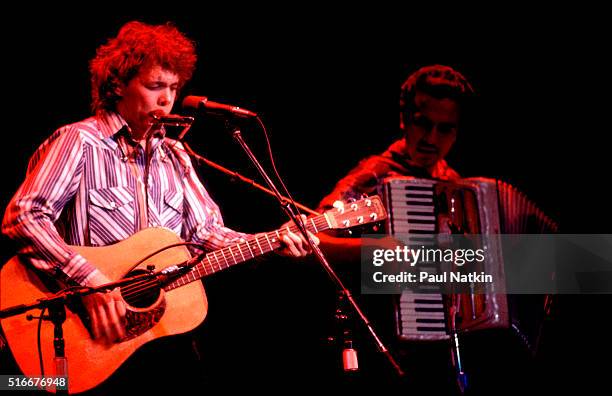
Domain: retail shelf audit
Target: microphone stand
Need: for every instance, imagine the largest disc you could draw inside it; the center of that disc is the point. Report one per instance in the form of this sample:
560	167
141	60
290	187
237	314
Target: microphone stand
286	207
236	175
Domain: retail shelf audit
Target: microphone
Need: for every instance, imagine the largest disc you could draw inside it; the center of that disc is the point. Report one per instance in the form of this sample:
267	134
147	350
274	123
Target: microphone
202	102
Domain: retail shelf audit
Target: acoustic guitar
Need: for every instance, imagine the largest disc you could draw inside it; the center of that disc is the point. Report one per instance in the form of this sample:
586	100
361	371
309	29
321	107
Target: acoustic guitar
154	308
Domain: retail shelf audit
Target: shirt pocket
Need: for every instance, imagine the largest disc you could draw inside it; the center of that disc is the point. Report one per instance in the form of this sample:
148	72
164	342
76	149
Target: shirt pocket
111	215
172	211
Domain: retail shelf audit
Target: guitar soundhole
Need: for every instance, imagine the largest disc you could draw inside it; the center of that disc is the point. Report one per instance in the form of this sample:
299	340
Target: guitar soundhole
142	294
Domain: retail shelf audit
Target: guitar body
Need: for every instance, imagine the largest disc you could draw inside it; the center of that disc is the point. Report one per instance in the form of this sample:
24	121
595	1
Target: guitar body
90	362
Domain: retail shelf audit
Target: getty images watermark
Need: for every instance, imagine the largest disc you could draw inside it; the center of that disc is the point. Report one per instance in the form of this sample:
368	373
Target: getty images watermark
423	256
517	264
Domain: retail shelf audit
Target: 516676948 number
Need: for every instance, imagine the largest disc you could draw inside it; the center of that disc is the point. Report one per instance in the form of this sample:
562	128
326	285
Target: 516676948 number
15	382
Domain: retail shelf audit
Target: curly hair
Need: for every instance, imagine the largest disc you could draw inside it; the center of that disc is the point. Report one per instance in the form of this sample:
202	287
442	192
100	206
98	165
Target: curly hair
138	44
438	81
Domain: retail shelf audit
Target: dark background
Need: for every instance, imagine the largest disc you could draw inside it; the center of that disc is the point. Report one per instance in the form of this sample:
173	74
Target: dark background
326	85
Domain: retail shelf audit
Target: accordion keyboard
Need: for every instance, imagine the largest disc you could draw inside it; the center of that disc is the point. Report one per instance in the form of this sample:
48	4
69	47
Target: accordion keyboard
420	315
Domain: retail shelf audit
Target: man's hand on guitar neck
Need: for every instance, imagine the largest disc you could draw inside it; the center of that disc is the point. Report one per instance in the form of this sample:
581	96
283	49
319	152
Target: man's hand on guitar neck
295	244
106	312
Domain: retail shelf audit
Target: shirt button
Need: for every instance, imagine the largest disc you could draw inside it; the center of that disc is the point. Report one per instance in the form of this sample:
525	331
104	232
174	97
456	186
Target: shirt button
113	205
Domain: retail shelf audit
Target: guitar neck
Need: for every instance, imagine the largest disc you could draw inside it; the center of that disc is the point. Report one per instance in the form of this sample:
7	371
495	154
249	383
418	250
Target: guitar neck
237	253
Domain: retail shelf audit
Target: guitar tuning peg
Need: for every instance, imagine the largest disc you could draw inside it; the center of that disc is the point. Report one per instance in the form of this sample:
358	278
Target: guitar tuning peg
339	205
364	195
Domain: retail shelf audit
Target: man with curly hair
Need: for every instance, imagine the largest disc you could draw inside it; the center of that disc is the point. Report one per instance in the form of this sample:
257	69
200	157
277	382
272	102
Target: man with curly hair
100	180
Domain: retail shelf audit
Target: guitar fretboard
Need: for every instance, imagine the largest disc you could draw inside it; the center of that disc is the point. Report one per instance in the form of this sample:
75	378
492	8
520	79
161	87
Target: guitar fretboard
237	253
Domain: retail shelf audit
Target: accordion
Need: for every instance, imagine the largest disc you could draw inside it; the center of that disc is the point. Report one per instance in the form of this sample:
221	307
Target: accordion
422	208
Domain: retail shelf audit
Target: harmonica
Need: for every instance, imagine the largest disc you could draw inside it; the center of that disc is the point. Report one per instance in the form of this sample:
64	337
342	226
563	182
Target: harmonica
172	120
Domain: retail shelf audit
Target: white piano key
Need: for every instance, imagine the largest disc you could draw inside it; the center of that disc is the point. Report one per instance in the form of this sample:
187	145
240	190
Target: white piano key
431	326
432	305
407	296
421	227
404	191
408	313
413	217
419	334
412	208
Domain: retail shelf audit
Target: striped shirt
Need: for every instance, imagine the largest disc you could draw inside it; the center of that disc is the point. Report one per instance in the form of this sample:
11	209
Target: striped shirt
84	186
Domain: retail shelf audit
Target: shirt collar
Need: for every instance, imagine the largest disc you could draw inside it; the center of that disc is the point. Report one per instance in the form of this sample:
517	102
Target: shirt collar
110	123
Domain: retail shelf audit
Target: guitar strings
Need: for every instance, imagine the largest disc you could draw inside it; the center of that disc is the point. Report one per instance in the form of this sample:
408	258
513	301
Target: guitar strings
139	290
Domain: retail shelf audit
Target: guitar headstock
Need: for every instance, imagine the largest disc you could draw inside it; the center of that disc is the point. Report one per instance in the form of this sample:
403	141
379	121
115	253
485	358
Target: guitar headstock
357	213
